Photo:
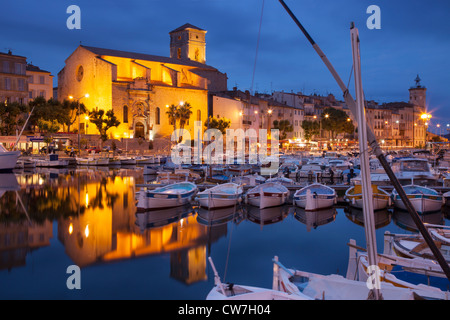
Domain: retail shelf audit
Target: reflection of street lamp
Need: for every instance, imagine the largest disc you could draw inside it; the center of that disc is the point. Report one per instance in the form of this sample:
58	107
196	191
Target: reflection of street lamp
78	103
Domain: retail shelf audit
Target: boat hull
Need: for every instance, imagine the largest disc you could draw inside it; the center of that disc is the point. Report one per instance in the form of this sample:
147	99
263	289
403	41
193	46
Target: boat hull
8	160
422	203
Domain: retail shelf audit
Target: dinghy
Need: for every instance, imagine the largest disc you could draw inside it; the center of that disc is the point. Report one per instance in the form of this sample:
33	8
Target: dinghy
173	195
414	246
423	199
440	233
423	276
227	291
223	195
269	194
381	198
331	287
315	196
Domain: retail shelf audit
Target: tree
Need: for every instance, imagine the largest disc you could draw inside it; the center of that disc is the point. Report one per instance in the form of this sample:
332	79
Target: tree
184	113
103	124
310	128
284	126
70	109
11	117
172	114
337	122
221	124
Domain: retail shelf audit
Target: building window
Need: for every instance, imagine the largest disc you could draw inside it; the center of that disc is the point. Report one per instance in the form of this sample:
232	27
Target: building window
6	66
21	84
125	114
179	53
41	80
30	79
157	116
30	94
42	93
7	84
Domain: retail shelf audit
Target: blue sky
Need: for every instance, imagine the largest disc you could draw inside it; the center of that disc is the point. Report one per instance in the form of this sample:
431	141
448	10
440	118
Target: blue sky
414	39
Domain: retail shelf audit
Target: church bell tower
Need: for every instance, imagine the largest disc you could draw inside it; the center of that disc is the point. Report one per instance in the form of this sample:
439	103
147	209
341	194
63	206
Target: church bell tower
188	43
418	94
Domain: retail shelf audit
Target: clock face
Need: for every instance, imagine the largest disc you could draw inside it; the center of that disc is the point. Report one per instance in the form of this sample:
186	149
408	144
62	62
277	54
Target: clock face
80	73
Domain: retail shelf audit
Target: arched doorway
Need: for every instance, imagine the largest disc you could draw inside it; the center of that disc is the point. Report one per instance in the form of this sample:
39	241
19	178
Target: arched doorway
139	131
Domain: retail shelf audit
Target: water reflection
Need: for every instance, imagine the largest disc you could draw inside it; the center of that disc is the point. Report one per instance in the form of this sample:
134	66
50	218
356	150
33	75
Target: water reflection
382	217
267	215
314	219
219	216
403	219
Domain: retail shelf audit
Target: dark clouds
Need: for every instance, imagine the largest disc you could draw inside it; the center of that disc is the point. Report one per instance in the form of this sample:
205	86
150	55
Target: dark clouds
414	39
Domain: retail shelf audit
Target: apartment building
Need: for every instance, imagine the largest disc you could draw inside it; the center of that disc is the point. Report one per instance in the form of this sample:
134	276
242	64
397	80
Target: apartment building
13	78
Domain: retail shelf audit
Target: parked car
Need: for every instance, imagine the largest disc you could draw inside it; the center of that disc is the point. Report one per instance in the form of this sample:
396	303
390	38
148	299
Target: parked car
93	149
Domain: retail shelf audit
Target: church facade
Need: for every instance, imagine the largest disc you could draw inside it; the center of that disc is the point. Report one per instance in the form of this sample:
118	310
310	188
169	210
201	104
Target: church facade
139	88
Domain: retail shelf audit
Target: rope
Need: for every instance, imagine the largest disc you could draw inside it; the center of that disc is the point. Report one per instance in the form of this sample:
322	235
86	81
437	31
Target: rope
257	47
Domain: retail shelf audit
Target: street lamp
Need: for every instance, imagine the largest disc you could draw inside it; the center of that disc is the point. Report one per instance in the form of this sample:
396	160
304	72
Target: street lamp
86	118
79	113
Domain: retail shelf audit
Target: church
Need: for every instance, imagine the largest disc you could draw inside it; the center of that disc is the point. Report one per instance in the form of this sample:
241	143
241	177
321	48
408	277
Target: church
139	87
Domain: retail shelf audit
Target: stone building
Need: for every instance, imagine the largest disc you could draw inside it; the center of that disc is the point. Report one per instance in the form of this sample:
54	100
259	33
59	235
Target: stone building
13	78
40	82
140	87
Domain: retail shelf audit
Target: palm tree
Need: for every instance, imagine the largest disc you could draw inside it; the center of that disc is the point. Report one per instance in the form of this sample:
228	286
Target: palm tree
172	114
184	113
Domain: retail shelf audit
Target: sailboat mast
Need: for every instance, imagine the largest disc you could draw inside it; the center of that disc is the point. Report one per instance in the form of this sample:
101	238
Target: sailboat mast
368	211
377	150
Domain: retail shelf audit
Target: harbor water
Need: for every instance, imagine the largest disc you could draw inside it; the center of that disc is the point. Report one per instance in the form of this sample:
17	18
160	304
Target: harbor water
52	220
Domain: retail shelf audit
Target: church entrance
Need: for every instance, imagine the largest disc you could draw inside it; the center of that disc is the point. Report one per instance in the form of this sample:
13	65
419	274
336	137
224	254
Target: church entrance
139	131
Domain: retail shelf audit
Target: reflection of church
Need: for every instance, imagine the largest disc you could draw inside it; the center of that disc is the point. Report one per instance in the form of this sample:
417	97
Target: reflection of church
138	87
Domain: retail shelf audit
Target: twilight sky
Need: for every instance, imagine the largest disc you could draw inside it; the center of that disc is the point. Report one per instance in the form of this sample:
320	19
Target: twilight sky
414	39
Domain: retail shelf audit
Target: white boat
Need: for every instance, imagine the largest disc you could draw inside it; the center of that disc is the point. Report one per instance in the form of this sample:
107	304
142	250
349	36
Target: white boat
407	171
440	233
315	196
354	196
114	161
92	161
288	169
423	276
267	195
281	180
8	159
446	198
144	160
423	199
127	160
331	287
52	161
223	195
310	171
249	180
178	175
226	291
173	195
414	246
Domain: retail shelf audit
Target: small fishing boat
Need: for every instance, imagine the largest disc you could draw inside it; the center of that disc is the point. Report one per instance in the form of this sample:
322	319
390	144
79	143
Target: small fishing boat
440	233
423	276
414	246
114	161
281	180
446	198
223	195
249	180
127	160
331	287
381	198
52	161
218	178
178	175
423	199
289	170
92	161
268	194
315	196
227	291
144	160
173	195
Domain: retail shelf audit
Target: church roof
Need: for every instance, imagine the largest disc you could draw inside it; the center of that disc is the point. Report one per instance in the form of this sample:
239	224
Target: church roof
145	57
186	26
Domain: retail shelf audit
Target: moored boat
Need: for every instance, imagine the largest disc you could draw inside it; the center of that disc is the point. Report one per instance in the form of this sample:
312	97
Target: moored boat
423	199
381	198
8	159
315	196
173	195
268	194
223	195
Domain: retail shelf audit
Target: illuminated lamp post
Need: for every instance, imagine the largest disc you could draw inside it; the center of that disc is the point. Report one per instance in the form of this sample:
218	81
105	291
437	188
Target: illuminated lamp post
426	117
